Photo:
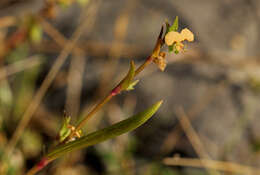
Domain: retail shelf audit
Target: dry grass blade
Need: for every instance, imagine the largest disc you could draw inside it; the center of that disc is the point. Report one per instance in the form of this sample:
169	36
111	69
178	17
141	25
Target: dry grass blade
57	36
174	135
94	48
90	13
212	164
193	138
76	69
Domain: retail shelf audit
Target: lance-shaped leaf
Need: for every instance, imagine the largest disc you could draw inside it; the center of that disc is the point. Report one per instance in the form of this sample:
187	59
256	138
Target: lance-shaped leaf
129	77
132	85
105	134
175	25
65	131
174	28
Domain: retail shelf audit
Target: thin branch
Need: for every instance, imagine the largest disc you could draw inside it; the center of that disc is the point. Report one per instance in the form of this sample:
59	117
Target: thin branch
118	88
212	164
193	137
58	37
175	134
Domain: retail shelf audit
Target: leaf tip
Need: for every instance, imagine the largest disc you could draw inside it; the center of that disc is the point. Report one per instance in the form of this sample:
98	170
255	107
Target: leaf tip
157	105
132	64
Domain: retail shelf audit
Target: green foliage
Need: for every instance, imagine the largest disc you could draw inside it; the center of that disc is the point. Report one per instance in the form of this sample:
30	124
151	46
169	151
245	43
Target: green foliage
255	146
6	96
174	27
132	85
19	53
36	33
105	134
24	89
112	162
31	143
65	131
170	48
129	77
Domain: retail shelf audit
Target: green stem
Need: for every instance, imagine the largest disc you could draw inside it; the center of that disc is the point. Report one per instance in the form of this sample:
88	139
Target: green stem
117	129
146	63
44	162
113	93
112	131
94	110
106	133
118	89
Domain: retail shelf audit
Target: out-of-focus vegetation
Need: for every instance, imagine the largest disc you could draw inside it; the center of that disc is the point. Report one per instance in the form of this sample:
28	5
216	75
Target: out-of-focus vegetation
66	55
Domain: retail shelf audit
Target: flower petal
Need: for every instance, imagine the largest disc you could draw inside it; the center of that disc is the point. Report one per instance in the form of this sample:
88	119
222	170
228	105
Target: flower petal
179	46
172	37
187	35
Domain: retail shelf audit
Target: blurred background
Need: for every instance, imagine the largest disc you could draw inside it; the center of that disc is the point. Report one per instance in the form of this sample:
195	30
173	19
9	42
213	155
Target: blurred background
58	55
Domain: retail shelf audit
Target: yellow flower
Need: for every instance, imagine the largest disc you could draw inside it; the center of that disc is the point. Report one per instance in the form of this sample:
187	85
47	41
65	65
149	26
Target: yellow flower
187	35
177	38
172	37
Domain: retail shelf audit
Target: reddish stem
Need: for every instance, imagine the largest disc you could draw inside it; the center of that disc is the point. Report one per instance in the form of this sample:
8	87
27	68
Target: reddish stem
116	90
39	166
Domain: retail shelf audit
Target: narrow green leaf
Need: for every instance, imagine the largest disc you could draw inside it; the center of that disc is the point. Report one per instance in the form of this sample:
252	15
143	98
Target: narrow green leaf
105	134
175	25
65	131
132	85
167	26
129	77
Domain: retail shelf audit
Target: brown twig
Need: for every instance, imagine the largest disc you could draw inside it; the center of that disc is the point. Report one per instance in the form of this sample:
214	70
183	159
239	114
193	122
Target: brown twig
193	137
57	36
212	164
77	66
175	134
